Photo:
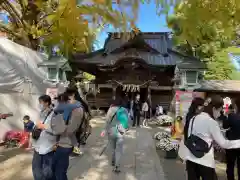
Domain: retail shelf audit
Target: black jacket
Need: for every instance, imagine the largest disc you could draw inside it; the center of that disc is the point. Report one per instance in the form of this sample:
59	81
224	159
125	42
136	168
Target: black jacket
233	124
137	106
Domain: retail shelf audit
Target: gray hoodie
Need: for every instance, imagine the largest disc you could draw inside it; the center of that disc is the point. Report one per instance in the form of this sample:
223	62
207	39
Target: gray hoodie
66	132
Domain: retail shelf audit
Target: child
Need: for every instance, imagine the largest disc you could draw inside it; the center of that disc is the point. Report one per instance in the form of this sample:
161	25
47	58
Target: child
28	127
28	124
64	107
177	128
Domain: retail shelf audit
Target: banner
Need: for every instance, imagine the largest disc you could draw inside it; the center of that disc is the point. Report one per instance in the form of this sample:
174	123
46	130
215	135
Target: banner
52	92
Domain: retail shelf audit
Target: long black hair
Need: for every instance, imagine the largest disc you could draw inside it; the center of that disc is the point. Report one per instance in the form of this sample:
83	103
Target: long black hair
192	111
215	101
118	102
74	91
46	99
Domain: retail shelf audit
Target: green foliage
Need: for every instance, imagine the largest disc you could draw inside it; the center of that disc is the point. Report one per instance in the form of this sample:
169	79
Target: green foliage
208	42
201	19
235	75
88	77
219	66
208	29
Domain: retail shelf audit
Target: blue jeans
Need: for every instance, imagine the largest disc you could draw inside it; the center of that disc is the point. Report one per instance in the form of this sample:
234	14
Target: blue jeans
117	149
42	166
61	162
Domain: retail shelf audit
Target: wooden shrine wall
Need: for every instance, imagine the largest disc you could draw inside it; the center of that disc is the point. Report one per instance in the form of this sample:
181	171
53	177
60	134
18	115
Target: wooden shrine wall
135	76
104	98
162	98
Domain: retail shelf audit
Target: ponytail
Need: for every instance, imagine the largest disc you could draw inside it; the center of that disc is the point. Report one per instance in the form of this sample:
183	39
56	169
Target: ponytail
74	91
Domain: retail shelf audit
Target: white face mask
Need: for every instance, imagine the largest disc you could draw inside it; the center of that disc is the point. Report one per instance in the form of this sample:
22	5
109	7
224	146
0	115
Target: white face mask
216	113
137	97
41	107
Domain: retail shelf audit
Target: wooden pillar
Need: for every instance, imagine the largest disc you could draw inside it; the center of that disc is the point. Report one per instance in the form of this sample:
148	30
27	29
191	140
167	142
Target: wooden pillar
114	88
150	100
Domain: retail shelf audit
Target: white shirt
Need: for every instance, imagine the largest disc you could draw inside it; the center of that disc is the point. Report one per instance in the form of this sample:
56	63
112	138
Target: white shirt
46	141
145	107
208	129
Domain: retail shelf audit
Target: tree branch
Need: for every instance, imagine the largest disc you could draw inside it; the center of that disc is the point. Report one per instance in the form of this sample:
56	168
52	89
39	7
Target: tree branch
49	27
12	15
9	31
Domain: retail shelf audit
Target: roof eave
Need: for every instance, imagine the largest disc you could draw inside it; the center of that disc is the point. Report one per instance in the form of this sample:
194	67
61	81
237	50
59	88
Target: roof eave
216	90
80	56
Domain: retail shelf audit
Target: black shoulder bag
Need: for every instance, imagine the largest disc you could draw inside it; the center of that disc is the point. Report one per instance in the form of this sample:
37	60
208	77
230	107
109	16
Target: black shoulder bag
196	145
36	132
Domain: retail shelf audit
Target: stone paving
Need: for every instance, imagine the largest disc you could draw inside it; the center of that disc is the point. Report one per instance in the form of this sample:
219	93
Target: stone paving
140	162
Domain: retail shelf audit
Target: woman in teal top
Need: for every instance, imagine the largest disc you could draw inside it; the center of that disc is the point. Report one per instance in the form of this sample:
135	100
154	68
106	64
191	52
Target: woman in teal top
116	127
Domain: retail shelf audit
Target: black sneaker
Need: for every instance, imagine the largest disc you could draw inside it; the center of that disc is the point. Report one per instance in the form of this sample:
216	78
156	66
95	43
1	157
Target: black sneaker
116	169
113	163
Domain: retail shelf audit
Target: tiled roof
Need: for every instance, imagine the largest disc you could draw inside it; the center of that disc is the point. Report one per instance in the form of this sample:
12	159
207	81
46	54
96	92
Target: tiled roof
53	61
220	85
149	58
158	41
186	62
162	56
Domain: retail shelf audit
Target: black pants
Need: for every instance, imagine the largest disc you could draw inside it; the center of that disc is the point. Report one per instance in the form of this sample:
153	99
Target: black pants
196	172
232	155
136	118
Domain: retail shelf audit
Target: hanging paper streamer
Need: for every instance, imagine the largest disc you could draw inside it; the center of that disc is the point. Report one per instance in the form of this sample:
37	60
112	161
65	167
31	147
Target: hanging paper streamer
180	109
177	105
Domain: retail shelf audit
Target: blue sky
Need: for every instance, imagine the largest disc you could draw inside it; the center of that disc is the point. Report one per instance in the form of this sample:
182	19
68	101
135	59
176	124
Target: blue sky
148	21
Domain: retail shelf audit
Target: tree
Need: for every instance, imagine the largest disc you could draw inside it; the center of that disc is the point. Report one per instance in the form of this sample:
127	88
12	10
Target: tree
88	77
195	15
220	66
210	44
71	25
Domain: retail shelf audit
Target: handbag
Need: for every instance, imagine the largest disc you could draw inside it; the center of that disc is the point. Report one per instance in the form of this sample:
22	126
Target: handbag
196	145
36	132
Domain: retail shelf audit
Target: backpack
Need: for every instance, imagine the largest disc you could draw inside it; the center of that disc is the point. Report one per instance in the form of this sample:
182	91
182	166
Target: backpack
80	130
122	119
84	129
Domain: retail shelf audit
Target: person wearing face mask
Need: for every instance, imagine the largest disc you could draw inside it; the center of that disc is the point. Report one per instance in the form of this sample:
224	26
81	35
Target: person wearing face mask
43	146
64	124
137	110
75	98
232	124
200	163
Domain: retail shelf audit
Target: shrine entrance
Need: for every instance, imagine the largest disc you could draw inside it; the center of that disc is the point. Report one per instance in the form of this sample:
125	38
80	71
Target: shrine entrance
131	92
